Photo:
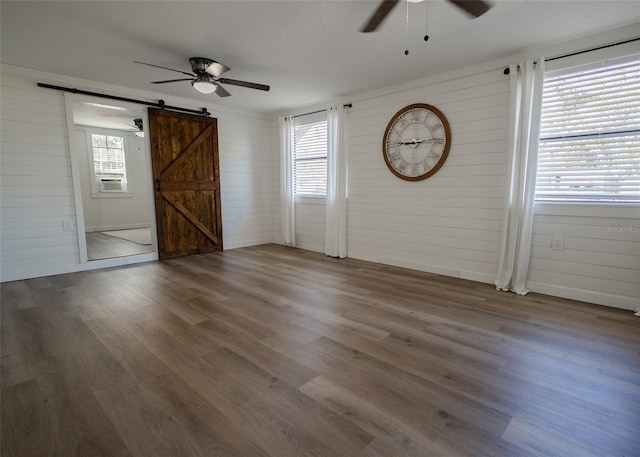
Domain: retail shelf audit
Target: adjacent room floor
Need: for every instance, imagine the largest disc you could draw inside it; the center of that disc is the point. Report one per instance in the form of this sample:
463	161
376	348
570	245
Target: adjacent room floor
118	243
274	351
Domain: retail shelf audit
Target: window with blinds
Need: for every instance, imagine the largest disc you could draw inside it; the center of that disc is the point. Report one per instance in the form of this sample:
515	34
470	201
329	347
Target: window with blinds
108	163
310	156
590	134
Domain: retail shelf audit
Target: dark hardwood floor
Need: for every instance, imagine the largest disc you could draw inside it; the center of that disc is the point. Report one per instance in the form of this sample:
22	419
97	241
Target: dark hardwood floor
273	351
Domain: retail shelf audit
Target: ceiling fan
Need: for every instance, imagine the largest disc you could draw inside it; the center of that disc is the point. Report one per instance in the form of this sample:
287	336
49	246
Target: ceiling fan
474	8
138	128
205	77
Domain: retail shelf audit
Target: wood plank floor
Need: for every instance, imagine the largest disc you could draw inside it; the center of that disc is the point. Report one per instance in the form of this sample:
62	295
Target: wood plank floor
273	351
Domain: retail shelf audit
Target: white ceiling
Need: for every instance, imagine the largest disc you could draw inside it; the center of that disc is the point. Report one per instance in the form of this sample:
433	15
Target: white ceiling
307	51
106	114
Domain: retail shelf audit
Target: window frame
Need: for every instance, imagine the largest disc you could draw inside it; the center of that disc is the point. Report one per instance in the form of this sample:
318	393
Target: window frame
96	192
586	205
299	121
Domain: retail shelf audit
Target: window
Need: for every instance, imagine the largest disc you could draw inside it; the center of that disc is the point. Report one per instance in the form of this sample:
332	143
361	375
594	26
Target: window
590	134
310	155
109	167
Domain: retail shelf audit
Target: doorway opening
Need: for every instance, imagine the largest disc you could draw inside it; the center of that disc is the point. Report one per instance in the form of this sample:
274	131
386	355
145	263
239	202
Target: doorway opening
112	181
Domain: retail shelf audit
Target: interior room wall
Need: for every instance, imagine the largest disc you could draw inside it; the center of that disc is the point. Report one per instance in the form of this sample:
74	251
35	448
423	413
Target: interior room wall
37	191
116	212
450	223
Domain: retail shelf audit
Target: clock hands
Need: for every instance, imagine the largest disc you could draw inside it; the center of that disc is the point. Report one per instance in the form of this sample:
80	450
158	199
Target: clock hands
414	142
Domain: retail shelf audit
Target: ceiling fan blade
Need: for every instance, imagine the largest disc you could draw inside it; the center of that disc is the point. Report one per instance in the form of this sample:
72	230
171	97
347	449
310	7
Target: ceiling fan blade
221	91
215	69
235	82
385	7
171	81
166	68
475	8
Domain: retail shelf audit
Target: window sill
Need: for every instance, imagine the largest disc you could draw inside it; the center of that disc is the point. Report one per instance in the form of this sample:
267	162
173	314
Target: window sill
111	194
311	199
588	209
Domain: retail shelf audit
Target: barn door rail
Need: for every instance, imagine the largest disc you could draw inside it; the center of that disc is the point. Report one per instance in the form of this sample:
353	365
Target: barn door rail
159	104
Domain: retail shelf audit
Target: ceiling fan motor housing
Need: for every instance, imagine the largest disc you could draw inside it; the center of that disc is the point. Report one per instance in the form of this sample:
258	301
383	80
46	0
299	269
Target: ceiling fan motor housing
200	64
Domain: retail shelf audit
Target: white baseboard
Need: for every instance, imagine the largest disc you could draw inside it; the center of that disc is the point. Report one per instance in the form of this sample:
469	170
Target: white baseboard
310	247
439	269
477	276
75	268
589	296
244	244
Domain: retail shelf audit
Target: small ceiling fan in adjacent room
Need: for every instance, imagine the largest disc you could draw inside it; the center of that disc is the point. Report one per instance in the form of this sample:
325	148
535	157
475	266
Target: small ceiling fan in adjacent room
205	77
138	128
474	8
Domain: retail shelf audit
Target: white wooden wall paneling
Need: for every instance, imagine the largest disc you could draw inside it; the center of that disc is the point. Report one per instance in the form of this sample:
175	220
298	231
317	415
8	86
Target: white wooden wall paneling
37	192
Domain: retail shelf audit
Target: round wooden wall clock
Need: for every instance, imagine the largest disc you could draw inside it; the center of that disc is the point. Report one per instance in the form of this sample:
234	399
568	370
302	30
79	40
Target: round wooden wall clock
416	142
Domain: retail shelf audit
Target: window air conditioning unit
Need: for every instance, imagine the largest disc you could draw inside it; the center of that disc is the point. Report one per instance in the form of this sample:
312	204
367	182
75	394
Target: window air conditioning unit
111	185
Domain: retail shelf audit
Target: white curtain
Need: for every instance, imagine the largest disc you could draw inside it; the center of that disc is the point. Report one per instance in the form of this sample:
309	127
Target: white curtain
522	160
287	197
336	225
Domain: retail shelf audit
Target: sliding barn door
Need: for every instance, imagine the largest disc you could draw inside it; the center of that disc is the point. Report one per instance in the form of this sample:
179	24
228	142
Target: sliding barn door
186	176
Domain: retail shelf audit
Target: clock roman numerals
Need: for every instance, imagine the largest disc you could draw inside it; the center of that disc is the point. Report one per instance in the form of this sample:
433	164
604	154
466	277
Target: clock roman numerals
395	155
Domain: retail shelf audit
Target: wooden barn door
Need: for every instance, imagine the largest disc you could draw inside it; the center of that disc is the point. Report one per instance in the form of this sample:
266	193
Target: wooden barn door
186	176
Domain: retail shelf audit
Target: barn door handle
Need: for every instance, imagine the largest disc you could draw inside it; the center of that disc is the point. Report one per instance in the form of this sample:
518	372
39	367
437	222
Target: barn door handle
158	185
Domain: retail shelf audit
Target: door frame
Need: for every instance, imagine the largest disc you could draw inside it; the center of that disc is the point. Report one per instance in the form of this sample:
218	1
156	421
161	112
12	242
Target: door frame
84	263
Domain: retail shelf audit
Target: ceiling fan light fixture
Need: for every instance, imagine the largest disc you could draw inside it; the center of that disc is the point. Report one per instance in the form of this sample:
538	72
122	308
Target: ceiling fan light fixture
203	85
415	1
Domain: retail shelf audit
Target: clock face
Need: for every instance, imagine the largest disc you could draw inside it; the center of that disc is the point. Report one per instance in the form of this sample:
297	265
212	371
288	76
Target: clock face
416	142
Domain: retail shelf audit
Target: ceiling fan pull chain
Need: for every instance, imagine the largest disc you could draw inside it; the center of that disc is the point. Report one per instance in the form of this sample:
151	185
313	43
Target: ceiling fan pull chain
406	32
426	20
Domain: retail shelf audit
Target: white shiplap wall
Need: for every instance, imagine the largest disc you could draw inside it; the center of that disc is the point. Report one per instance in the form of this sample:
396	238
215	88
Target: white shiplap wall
449	223
36	189
36	184
310	223
245	179
600	259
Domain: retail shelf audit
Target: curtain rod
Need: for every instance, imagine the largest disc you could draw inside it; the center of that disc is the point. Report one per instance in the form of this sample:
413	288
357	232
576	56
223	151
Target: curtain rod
571	54
160	104
346	105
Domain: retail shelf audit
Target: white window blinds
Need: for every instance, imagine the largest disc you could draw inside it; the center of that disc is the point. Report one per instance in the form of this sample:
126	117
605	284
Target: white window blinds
590	134
310	155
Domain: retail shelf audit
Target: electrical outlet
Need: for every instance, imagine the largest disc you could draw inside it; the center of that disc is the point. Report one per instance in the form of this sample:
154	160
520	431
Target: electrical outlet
67	225
557	243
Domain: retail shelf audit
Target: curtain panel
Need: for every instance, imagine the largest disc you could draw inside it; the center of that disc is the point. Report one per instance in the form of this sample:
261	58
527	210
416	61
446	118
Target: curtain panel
526	85
336	225
287	197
